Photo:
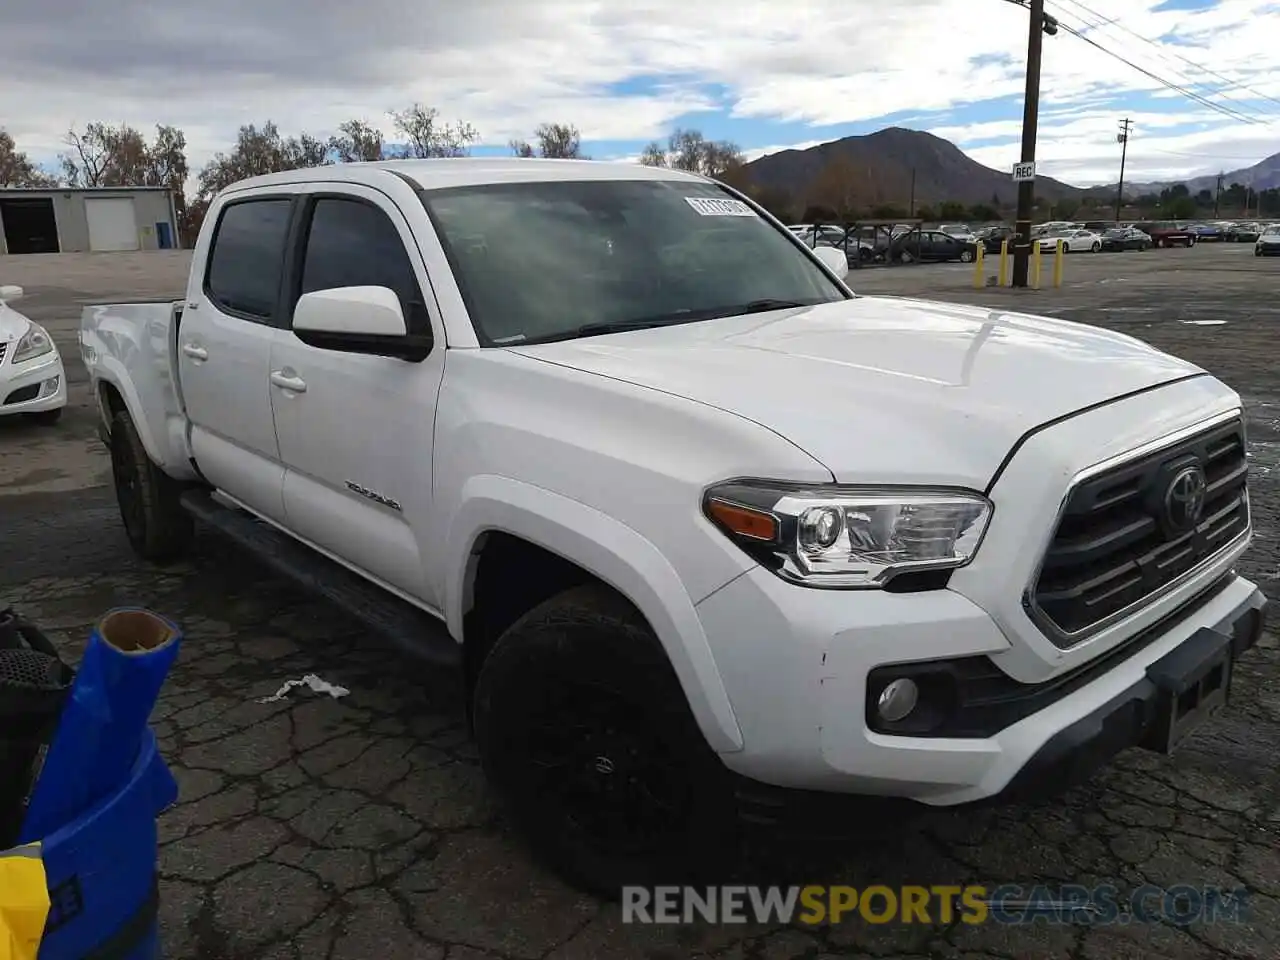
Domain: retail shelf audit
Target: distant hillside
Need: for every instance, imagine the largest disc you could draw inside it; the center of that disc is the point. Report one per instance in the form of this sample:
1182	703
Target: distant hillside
942	171
1263	175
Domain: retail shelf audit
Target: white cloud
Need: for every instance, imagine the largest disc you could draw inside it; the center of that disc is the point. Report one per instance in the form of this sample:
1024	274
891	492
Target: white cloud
505	66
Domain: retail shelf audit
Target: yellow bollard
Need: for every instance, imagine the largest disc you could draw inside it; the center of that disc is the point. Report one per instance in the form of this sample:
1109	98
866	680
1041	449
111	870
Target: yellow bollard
1037	263
979	279
1004	262
1058	259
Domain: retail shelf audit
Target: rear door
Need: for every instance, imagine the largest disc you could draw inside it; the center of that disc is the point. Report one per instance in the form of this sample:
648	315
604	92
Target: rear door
224	346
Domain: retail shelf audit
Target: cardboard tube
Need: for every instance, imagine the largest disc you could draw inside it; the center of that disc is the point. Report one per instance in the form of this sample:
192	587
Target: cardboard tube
104	719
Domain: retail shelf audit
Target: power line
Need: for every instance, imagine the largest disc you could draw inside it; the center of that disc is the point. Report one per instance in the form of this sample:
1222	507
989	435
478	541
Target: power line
1189	94
1115	22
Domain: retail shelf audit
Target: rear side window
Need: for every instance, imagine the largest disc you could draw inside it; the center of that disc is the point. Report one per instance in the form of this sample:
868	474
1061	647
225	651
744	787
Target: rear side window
354	244
247	259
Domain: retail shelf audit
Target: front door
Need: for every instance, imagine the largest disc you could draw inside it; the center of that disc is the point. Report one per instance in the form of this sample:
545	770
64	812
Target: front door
224	349
356	440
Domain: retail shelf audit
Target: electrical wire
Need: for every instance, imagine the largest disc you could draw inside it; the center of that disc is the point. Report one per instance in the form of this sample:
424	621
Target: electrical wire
1115	22
1177	88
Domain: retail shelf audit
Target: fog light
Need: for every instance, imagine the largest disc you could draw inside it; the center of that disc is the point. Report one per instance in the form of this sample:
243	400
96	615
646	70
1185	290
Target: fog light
49	387
898	699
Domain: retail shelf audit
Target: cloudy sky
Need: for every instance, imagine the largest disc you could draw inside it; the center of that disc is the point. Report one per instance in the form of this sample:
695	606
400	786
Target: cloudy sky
764	73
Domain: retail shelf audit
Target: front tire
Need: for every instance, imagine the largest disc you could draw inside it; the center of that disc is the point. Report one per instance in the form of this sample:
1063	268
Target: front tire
157	526
966	256
1097	247
586	735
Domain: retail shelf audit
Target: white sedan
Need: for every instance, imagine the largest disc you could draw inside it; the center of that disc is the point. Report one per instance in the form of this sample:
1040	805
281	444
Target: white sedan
32	380
1268	243
1074	241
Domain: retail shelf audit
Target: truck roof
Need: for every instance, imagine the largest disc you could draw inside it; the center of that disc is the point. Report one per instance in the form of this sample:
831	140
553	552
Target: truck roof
468	171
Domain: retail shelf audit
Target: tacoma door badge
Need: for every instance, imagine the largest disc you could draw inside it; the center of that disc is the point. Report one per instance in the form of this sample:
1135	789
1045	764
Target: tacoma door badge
373	495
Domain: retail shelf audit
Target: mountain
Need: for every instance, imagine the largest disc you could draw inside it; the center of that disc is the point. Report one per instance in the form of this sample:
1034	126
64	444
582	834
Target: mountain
1263	175
886	158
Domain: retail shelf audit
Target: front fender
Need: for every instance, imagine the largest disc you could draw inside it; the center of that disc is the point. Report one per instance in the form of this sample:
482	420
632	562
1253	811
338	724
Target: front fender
616	554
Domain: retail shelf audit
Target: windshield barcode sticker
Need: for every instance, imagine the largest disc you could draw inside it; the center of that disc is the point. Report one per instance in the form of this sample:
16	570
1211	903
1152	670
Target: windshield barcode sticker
712	207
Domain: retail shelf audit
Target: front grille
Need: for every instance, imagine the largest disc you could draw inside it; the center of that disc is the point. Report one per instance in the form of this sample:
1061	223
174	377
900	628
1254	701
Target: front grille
1115	547
3	348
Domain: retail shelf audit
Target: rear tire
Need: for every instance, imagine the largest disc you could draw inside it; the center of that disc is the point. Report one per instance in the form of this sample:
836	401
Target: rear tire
1097	246
157	526
586	735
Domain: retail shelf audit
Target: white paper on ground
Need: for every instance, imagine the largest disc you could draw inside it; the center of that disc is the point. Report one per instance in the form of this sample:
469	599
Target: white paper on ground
310	680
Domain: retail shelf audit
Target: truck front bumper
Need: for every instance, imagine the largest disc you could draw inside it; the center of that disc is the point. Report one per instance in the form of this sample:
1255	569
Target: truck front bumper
803	669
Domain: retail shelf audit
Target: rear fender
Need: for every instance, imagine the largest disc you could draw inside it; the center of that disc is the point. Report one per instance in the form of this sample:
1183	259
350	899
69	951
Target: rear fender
126	348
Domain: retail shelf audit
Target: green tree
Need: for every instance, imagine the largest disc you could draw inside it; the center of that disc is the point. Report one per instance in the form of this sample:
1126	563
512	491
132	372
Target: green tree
926	212
983	213
950	210
1180	208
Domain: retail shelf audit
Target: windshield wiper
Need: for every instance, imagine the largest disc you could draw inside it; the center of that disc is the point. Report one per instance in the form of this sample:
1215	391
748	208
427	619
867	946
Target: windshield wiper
761	306
680	316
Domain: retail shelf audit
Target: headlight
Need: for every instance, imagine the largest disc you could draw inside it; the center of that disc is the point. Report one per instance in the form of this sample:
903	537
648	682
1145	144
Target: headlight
34	343
837	536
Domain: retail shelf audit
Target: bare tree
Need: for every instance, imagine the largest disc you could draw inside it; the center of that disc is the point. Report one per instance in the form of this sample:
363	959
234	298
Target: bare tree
556	141
839	187
90	155
17	169
357	141
109	156
427	136
690	150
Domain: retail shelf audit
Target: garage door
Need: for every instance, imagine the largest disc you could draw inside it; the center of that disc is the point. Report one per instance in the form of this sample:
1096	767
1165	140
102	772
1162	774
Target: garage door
112	224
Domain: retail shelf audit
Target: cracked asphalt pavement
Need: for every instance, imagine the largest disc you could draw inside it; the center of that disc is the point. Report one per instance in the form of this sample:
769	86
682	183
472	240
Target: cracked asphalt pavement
361	827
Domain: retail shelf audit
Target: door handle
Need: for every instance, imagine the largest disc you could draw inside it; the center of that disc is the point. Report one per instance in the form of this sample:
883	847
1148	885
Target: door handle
286	382
195	352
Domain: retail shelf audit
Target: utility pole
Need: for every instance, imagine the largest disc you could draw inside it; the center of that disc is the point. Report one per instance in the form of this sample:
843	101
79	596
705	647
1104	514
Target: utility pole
1217	196
1040	25
912	214
1123	137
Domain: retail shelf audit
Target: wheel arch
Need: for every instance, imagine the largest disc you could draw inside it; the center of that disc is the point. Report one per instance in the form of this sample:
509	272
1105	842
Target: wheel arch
586	545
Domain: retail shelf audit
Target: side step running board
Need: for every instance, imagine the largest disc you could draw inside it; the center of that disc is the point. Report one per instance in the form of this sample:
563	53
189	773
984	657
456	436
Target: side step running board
413	630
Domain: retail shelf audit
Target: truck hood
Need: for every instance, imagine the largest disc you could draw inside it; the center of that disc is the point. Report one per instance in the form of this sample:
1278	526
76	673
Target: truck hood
12	324
884	390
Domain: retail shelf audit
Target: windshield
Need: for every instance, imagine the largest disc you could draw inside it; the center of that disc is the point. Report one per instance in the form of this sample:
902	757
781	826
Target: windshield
1272	231
550	260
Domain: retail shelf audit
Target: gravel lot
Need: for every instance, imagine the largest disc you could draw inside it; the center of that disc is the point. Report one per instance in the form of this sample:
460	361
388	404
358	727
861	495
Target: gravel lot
361	828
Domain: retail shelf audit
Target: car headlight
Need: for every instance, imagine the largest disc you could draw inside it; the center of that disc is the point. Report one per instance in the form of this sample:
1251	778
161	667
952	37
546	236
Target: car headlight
36	342
850	537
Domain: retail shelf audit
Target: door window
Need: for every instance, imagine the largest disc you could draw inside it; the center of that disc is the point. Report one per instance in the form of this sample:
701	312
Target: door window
247	258
354	244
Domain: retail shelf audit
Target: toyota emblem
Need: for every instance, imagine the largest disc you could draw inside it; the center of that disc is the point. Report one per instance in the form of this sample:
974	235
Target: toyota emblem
1184	499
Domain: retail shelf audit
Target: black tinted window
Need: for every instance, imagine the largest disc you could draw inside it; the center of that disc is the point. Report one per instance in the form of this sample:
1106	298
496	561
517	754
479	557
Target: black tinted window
353	244
248	256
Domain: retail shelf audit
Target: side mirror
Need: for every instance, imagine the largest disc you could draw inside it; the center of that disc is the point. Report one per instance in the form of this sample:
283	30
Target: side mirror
833	259
367	320
10	292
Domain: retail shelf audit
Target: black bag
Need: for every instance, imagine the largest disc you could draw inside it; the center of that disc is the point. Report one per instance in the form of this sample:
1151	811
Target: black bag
34	682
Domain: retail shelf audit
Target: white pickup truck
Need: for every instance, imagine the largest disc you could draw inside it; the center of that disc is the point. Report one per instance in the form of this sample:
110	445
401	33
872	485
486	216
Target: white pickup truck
703	530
